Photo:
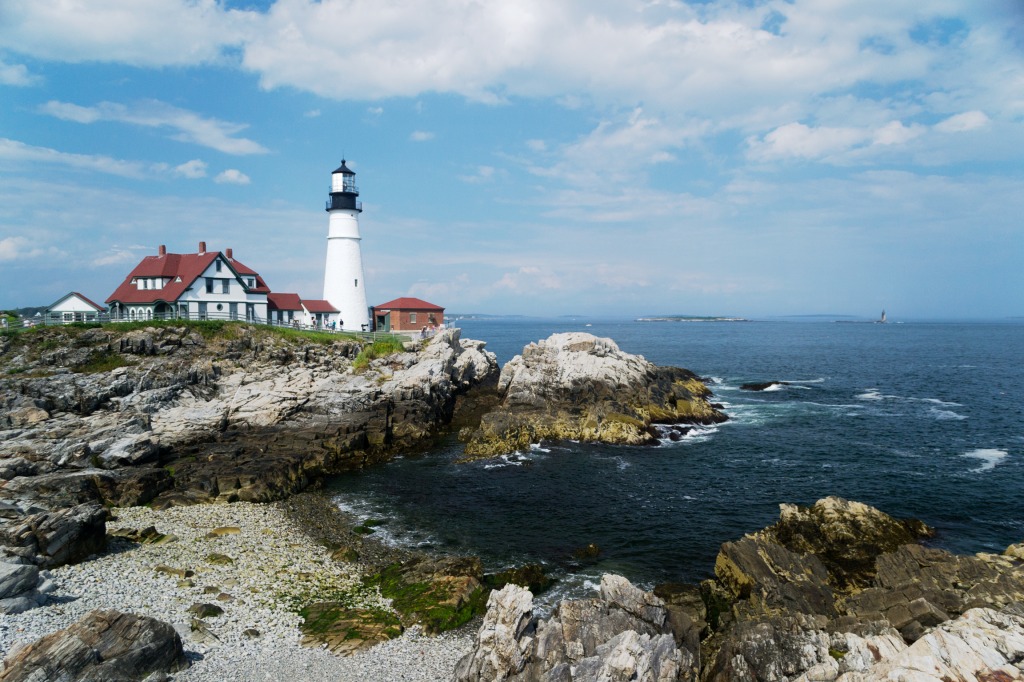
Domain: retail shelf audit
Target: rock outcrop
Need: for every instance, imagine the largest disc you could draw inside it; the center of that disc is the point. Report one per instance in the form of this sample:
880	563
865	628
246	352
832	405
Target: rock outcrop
624	634
835	592
104	645
577	386
183	414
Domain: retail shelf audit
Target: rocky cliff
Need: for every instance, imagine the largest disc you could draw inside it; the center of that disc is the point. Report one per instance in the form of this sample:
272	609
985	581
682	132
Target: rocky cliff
580	387
193	413
838	591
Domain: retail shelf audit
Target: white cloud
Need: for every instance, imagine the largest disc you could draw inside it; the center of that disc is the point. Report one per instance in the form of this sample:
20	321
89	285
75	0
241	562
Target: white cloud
537	145
232	177
13	248
192	170
15	74
375	111
137	32
895	132
482	174
421	136
969	120
312	113
796	140
834	144
190	126
14	150
619	149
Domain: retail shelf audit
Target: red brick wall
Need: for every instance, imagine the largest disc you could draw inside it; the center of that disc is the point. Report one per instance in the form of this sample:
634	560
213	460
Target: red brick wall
401	320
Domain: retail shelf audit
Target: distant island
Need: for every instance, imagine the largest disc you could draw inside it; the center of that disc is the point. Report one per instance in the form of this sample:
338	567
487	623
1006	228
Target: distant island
690	318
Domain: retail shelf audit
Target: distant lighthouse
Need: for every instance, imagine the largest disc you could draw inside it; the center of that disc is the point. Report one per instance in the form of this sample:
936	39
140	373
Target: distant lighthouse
344	283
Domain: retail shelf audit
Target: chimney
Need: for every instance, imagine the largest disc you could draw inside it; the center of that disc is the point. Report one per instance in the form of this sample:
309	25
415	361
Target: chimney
162	250
228	253
202	248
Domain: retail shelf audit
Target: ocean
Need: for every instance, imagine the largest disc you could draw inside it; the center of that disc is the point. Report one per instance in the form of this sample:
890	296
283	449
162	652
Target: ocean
921	420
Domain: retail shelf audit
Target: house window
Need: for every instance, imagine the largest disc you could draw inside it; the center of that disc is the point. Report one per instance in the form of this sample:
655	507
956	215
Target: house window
224	286
209	285
217	264
412	318
252	282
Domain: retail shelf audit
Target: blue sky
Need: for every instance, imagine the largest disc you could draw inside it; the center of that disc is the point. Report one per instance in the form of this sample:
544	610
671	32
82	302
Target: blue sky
539	157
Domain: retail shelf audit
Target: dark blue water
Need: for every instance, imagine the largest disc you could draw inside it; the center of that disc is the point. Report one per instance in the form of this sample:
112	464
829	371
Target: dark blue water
921	420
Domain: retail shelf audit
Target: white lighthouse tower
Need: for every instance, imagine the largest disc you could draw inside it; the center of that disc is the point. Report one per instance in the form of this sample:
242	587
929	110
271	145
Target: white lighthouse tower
344	283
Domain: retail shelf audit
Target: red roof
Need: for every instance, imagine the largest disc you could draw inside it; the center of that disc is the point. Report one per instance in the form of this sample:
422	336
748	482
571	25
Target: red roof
65	297
184	266
407	303
319	307
284	302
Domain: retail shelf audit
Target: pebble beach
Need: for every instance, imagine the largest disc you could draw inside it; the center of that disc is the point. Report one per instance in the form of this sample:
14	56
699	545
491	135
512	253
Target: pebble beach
256	563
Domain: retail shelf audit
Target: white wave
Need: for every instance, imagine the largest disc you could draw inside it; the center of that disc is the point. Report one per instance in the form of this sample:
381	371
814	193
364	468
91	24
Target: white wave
773	388
622	464
990	458
945	414
515	459
536	447
875	394
696	433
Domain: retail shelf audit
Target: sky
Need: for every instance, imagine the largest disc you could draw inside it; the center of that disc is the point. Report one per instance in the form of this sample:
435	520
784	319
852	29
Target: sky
528	157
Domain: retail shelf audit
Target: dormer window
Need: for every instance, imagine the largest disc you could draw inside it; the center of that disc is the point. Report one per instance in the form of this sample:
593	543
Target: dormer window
252	283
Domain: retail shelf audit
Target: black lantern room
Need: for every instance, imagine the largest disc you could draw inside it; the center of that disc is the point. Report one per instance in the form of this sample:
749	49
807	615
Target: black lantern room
344	192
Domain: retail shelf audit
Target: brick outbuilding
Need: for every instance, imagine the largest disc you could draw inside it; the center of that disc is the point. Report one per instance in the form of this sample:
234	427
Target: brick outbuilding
407	314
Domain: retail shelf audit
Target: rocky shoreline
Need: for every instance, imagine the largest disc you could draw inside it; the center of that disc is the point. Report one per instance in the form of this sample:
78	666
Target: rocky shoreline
274	564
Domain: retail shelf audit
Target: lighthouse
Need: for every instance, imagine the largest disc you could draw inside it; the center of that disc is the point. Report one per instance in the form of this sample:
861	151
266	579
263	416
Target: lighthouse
344	283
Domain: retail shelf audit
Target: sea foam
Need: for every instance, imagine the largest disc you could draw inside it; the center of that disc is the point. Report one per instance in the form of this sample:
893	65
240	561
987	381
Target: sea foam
990	457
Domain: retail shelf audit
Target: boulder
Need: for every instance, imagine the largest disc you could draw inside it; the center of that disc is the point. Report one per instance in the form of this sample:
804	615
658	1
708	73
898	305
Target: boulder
581	387
104	645
55	538
624	634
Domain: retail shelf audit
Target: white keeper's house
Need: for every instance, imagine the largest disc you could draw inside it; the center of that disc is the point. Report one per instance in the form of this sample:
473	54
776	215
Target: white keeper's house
198	286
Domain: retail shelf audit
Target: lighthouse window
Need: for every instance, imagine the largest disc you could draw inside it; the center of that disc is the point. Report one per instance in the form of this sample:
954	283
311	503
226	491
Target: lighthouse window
357	284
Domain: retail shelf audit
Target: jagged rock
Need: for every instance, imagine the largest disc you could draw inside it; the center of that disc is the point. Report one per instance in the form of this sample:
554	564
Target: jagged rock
577	386
504	640
246	415
59	537
104	645
22	587
917	587
846	536
622	635
982	645
770	577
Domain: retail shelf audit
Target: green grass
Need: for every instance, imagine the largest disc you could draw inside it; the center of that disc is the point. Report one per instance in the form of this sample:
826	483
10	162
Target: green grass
378	349
424	601
102	362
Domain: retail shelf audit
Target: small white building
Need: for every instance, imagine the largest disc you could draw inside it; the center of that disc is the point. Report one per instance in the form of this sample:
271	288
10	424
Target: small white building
207	285
73	307
322	315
